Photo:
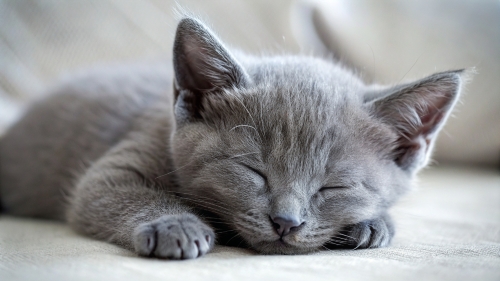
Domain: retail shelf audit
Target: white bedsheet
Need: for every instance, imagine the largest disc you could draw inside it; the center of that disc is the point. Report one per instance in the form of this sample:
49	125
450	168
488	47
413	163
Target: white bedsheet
448	229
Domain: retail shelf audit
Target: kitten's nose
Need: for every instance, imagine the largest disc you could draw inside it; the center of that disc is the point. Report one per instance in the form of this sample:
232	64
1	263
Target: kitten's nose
286	225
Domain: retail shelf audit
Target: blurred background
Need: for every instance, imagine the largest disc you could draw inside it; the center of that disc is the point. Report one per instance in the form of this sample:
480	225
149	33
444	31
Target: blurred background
387	42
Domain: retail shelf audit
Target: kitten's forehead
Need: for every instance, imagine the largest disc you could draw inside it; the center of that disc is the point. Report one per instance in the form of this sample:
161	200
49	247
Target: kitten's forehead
302	73
303	95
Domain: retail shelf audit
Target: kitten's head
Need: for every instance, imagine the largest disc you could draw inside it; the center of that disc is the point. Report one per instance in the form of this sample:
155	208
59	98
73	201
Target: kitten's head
290	150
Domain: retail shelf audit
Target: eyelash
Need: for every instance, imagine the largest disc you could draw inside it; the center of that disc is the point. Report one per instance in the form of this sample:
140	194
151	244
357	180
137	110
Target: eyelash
326	188
257	172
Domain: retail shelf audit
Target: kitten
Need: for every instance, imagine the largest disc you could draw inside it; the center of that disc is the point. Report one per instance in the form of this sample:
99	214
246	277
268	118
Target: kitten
289	154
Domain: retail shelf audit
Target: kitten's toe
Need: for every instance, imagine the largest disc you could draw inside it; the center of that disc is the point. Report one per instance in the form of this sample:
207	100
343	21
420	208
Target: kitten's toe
145	239
367	234
174	237
380	234
361	234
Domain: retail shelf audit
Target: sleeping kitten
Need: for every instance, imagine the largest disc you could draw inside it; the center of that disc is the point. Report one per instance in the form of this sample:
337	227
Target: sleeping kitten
288	154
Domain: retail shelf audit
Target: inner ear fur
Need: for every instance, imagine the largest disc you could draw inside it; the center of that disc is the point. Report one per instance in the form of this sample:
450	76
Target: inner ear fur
417	111
202	66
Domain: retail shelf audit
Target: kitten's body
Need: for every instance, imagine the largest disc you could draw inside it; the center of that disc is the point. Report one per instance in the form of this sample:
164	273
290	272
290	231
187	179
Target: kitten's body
289	153
81	119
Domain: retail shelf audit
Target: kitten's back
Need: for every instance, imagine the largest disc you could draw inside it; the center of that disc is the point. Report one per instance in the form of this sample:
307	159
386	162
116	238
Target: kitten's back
83	117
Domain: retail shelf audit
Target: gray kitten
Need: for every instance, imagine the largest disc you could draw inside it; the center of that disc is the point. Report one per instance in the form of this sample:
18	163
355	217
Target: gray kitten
284	154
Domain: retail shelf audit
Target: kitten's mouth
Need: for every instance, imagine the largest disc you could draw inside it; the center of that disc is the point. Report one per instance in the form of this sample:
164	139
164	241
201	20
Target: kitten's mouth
280	247
281	242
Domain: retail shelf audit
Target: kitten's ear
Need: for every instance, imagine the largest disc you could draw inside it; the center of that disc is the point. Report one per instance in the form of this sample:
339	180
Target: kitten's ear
201	62
417	111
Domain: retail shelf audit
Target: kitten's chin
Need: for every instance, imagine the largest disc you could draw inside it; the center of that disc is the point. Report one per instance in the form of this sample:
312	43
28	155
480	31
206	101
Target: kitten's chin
279	247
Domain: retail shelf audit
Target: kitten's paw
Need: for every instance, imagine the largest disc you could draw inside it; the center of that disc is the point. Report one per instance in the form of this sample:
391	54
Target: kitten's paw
367	234
174	237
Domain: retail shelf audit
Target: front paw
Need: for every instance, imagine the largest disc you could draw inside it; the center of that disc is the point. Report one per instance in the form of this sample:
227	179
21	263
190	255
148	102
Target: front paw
367	234
174	237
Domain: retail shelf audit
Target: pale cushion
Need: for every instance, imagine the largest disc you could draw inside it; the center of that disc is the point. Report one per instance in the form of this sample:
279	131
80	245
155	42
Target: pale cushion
448	229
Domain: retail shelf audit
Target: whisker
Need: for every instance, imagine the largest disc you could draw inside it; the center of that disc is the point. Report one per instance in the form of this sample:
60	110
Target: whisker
201	200
225	231
344	242
207	205
175	170
238	126
345	235
215	209
192	194
326	248
244	154
237	234
242	240
335	243
250	115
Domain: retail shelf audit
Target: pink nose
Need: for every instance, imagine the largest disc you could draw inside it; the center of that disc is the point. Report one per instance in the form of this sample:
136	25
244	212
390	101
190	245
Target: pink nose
286	225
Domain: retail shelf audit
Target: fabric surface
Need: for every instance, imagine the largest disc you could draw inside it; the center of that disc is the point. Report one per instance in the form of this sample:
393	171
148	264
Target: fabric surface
447	229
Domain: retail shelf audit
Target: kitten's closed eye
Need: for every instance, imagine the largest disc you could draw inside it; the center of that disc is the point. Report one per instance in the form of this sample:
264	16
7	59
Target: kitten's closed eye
256	171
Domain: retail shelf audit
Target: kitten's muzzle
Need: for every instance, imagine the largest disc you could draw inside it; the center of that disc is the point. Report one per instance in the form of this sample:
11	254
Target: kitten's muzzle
285	225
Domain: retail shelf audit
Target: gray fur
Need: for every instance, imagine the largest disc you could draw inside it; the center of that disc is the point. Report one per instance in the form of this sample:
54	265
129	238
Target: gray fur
156	166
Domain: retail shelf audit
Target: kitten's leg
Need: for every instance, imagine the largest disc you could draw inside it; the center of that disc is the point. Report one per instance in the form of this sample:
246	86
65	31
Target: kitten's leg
115	202
372	233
